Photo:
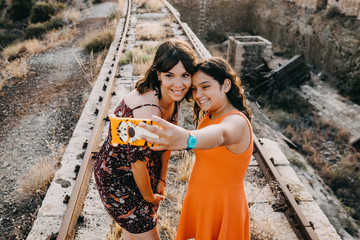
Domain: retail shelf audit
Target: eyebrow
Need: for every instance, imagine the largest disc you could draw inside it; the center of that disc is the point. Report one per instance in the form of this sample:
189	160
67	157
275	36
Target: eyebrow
204	82
174	73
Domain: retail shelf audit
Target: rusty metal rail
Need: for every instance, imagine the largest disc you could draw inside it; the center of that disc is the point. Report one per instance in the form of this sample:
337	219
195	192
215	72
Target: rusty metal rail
67	228
287	204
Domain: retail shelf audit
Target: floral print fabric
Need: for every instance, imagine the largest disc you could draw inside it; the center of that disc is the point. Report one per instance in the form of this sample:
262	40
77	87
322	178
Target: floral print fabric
115	182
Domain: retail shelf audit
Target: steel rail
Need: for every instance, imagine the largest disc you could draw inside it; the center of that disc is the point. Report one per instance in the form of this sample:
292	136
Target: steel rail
301	226
76	202
204	54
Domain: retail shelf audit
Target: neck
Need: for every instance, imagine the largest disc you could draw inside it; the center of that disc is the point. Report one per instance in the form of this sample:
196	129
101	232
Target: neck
166	104
221	111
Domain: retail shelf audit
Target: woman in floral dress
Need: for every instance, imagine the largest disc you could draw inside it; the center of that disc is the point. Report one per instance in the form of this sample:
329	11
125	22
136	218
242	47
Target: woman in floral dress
131	179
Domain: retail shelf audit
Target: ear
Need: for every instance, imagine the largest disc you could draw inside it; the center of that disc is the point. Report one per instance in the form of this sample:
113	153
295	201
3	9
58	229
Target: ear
158	75
227	85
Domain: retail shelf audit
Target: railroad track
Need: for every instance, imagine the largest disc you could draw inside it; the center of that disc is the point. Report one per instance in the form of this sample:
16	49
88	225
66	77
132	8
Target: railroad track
119	79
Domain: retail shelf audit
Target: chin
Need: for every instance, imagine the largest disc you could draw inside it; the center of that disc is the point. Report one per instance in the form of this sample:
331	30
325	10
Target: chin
178	98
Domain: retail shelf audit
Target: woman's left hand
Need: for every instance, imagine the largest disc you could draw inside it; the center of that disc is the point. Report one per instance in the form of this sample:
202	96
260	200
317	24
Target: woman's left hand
160	188
171	137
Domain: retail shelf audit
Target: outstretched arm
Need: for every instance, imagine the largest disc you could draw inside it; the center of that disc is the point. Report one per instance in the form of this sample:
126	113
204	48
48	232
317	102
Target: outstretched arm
173	137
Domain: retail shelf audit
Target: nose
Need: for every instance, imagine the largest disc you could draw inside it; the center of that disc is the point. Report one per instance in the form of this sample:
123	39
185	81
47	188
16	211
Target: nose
197	93
178	82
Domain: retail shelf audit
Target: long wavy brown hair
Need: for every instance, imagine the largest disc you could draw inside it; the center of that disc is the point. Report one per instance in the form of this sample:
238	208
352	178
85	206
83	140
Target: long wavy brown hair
166	57
219	70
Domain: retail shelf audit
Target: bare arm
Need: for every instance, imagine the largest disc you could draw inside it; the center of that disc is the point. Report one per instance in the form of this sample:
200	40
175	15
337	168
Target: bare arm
140	172
160	189
173	137
142	179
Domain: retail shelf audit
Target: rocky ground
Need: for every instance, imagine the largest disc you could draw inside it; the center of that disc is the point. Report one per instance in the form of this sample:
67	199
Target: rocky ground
38	115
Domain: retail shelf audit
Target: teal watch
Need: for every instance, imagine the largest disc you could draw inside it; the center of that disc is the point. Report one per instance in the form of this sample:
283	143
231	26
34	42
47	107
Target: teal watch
192	140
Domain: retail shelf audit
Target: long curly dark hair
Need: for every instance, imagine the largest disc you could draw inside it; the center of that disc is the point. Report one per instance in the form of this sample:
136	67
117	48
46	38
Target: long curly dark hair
219	70
166	57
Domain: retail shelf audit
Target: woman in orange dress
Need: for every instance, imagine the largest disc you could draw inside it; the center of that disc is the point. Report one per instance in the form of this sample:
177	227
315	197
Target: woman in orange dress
215	205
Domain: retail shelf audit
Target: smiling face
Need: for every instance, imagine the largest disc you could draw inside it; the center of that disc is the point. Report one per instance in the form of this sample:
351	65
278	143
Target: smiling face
208	93
175	83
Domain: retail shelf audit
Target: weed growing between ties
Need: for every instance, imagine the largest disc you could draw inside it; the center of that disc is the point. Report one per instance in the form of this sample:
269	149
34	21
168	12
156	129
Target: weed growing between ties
260	230
149	5
154	31
140	57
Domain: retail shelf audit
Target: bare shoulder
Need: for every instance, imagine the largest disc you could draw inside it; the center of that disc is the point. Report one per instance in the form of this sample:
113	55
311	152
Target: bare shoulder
237	126
135	99
236	120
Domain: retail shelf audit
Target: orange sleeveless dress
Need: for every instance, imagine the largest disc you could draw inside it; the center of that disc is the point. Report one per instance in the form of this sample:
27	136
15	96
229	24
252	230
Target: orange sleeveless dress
215	205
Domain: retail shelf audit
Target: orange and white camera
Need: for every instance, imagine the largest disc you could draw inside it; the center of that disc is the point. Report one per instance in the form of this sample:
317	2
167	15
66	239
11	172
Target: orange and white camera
128	131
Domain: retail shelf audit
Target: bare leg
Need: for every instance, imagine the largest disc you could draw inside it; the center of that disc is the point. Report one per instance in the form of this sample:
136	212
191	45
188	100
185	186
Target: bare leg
153	234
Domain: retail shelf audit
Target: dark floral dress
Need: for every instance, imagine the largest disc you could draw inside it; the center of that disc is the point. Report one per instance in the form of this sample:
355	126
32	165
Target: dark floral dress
115	182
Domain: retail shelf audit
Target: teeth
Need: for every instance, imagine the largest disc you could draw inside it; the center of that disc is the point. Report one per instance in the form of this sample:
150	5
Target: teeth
177	91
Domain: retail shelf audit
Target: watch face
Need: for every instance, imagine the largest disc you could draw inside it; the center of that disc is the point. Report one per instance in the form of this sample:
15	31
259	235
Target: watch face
192	141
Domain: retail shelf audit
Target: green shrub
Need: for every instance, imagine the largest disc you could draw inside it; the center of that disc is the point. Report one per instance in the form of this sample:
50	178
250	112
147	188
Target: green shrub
55	23
7	38
291	102
35	30
42	11
2	4
19	9
99	41
351	87
126	57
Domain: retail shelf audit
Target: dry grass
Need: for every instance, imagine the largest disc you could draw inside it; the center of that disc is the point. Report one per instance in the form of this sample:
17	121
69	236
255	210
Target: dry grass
22	51
57	37
115	232
154	31
179	171
261	230
92	73
149	5
98	40
17	69
140	57
12	49
343	135
70	15
37	178
40	174
154	5
51	39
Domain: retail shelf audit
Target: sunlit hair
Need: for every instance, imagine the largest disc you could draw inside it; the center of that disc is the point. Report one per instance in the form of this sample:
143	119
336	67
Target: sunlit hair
219	70
166	57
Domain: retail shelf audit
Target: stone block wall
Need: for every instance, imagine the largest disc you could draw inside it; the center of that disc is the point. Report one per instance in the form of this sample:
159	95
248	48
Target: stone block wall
247	52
